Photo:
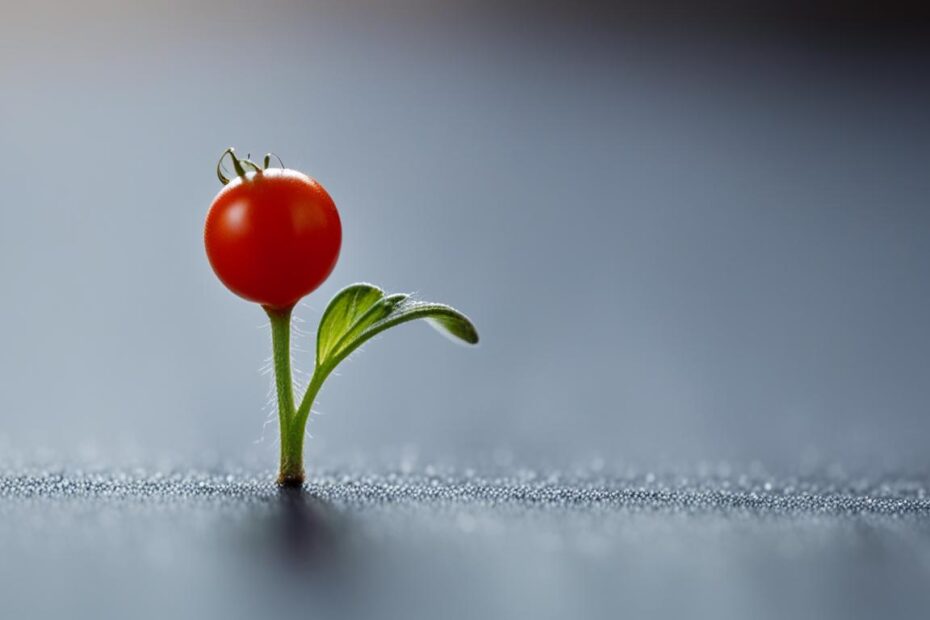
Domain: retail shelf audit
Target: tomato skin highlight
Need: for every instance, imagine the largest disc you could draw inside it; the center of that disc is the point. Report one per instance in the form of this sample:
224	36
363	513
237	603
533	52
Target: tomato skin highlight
273	236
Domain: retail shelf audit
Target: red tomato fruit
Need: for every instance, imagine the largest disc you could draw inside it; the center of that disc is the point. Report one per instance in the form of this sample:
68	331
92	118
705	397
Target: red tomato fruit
273	236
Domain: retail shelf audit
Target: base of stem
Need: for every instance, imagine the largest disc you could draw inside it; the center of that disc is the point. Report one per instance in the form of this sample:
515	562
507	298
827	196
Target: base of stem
291	479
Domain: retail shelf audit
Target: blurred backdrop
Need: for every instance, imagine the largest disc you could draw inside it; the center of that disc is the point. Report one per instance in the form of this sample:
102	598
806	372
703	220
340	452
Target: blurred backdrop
696	233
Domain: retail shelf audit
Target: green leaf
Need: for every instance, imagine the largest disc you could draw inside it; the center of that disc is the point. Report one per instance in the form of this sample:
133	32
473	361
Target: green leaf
361	311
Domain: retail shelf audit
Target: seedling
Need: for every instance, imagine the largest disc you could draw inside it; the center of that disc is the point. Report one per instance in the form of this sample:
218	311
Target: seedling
272	237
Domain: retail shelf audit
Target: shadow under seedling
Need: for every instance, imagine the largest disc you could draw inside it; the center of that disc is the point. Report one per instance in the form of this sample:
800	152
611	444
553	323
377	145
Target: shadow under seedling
306	529
272	237
296	534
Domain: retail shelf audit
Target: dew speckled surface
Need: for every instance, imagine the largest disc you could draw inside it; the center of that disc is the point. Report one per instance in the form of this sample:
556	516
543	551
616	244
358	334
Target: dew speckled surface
441	542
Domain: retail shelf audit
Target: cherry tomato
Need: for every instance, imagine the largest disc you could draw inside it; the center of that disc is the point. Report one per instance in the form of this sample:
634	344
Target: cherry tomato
273	236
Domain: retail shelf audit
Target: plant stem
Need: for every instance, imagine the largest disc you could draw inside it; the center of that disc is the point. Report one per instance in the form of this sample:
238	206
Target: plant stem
292	433
303	411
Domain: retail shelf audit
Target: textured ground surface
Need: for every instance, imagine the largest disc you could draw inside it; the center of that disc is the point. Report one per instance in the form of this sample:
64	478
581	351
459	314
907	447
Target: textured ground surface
442	543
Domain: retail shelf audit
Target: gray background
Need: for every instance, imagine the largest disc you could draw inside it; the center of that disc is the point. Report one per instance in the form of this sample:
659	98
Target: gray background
678	241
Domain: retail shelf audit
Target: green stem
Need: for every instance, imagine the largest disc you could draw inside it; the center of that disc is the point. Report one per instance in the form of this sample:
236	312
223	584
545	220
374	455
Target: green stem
303	411
292	433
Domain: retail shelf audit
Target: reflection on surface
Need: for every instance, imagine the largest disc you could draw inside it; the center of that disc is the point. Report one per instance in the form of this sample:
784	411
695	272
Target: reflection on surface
294	556
306	529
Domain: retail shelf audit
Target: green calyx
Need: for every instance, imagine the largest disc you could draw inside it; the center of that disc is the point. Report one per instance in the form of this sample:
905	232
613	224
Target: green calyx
355	315
241	166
